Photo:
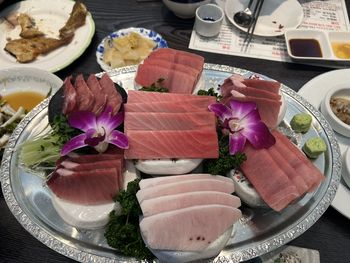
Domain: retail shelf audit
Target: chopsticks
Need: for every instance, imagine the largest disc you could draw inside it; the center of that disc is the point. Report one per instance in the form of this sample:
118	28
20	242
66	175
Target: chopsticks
251	28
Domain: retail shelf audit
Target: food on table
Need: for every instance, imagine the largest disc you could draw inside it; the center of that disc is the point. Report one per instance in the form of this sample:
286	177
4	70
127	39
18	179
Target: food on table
26	50
176	78
301	122
210	184
263	92
88	179
182	200
188	105
9	118
146	97
283	164
28	26
314	147
172	140
183	144
341	108
187	222
178	56
93	95
127	50
188	229
33	43
307	47
76	19
145	183
341	49
169	121
26	99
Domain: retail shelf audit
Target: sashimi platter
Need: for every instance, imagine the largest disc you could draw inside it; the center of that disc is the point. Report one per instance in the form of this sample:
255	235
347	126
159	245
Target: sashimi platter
171	160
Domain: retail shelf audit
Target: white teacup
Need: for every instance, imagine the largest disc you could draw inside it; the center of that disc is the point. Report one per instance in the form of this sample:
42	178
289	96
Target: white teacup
209	18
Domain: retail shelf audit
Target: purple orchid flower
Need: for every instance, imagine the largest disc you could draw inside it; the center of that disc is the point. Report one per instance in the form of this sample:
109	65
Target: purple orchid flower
98	131
242	121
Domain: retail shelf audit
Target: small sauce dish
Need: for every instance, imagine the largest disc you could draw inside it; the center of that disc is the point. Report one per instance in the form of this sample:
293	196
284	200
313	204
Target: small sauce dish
307	44
209	18
318	45
336	109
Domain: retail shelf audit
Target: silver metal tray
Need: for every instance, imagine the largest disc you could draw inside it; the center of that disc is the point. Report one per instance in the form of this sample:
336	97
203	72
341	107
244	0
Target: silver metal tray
258	232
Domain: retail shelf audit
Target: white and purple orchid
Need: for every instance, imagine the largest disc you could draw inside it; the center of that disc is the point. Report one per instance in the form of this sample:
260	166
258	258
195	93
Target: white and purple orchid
242	122
98	131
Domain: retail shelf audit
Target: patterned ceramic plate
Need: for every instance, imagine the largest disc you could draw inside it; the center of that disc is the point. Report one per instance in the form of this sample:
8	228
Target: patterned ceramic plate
49	18
258	232
157	38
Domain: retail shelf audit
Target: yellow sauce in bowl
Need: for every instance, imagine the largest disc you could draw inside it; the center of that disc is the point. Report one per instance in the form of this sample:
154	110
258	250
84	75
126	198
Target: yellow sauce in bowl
27	99
341	49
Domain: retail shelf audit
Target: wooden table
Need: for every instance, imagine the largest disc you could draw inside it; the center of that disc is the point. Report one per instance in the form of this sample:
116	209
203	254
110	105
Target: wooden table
330	235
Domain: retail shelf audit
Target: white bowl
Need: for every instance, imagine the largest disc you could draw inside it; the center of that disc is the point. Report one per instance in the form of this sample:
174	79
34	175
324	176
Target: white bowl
337	125
184	8
21	79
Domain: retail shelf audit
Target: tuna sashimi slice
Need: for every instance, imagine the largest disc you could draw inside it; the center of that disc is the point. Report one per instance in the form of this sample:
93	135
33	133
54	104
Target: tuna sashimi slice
268	85
190	105
282	157
70	96
303	166
100	97
268	179
179	56
135	96
178	201
174	81
194	144
248	91
85	97
86	187
149	182
169	121
175	66
188	229
88	166
183	187
114	99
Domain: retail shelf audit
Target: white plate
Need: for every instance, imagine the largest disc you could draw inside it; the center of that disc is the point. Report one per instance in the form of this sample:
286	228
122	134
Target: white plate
314	91
157	38
50	17
275	18
28	79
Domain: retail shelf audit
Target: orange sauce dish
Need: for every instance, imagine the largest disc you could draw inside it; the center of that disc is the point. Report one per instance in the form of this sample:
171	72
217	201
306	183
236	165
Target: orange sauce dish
27	99
341	49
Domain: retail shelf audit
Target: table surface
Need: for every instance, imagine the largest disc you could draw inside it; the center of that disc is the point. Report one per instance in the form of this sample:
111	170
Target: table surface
330	234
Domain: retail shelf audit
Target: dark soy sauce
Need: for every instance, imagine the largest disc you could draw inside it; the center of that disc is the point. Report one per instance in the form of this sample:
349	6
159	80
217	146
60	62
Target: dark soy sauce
305	47
209	19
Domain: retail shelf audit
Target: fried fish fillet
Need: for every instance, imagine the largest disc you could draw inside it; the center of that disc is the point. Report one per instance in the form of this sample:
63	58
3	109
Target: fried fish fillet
28	26
76	19
26	50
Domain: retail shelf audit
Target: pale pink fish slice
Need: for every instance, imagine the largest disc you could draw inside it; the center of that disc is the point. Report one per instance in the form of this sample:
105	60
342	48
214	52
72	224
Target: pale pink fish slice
188	229
178	201
183	187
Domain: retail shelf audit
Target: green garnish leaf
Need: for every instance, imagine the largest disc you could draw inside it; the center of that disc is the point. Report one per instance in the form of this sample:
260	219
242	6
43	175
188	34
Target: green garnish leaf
209	92
226	161
157	86
123	231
